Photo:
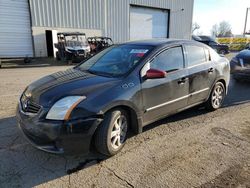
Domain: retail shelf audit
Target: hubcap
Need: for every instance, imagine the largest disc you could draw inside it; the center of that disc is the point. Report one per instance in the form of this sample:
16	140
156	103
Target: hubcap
217	96
119	131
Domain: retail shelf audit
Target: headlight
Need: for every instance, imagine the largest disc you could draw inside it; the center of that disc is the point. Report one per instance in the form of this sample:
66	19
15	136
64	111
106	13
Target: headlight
88	49
62	109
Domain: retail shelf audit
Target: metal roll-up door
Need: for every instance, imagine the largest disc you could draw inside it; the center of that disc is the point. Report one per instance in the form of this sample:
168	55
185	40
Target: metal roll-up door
15	29
146	23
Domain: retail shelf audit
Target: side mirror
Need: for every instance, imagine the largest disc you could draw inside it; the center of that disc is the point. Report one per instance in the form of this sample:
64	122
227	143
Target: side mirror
154	74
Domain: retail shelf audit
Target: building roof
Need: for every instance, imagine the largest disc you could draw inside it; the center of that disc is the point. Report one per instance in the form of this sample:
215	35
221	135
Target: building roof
160	41
70	33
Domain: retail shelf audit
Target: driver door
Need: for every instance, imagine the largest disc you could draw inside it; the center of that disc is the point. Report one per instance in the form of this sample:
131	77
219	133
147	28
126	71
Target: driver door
165	95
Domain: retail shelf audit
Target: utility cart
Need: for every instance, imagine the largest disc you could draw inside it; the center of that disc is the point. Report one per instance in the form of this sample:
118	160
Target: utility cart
72	46
97	44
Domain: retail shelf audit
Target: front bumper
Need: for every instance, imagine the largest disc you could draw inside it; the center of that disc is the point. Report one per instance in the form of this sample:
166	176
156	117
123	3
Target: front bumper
70	137
240	72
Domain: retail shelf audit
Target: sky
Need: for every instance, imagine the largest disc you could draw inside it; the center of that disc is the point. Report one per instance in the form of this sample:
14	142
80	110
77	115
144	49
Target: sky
209	12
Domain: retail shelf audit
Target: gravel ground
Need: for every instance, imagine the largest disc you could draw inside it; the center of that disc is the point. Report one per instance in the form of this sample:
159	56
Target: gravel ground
194	148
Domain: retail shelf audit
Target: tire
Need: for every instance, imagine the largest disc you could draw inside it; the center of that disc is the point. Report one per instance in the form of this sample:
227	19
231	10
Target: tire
115	122
27	60
216	97
58	58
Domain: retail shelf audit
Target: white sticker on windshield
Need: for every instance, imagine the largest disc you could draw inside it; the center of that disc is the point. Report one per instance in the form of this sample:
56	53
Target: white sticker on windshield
138	51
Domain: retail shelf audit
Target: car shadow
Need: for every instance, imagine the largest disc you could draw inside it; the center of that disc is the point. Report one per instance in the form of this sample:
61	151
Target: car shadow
23	165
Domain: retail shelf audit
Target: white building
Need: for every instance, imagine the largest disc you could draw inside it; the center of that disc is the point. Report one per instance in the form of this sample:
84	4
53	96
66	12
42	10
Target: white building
28	26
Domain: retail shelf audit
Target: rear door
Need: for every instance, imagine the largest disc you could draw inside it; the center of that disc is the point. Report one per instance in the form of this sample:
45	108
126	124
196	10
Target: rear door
165	95
201	73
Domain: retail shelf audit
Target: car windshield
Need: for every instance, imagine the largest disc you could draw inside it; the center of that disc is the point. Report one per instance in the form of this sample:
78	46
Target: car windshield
75	40
116	60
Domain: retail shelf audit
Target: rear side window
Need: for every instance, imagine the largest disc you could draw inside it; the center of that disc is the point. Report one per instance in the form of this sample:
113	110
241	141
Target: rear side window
195	55
169	60
207	54
214	55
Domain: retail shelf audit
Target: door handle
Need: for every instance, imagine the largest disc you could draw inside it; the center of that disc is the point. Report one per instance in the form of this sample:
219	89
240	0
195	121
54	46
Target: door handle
182	80
210	70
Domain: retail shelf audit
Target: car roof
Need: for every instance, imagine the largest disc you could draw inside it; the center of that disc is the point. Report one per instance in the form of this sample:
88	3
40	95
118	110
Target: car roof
163	42
70	33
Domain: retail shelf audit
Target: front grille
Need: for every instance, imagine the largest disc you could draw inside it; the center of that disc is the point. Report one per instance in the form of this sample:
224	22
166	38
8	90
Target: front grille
29	106
81	52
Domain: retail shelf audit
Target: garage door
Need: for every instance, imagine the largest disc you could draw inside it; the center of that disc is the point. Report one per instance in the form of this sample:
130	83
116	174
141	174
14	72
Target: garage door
146	23
15	30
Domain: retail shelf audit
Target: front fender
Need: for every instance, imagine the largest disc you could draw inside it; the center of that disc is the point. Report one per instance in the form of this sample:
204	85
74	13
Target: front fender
136	117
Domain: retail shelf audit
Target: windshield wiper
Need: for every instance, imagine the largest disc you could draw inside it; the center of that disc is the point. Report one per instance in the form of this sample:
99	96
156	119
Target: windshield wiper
99	73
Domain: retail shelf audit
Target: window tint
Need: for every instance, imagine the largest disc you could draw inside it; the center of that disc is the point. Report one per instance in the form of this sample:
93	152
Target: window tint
169	60
116	60
195	55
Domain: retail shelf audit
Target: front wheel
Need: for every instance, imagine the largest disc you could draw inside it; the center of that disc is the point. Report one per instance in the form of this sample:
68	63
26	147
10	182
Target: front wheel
216	97
112	133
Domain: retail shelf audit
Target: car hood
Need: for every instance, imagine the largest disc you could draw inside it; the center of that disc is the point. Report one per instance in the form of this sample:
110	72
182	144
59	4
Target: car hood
47	90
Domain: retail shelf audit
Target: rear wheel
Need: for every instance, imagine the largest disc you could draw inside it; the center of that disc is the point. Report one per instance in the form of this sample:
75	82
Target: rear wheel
27	60
58	58
216	97
112	133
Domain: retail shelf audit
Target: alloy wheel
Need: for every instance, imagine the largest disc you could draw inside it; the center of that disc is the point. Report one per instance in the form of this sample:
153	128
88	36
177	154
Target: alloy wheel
119	131
217	96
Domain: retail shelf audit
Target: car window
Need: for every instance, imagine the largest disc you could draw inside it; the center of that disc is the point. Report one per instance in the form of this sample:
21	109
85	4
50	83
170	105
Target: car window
195	55
207	54
169	60
214	55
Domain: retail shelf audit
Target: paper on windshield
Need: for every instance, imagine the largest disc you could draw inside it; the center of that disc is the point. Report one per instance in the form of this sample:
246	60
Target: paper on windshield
138	51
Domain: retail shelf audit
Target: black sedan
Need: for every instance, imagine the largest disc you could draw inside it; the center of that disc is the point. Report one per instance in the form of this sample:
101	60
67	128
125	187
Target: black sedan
240	65
121	89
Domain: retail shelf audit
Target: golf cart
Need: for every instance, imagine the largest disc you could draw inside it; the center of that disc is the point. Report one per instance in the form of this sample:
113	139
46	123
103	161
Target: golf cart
72	46
97	44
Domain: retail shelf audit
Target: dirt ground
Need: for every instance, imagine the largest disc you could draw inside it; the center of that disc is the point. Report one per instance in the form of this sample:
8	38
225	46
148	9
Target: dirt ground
194	148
